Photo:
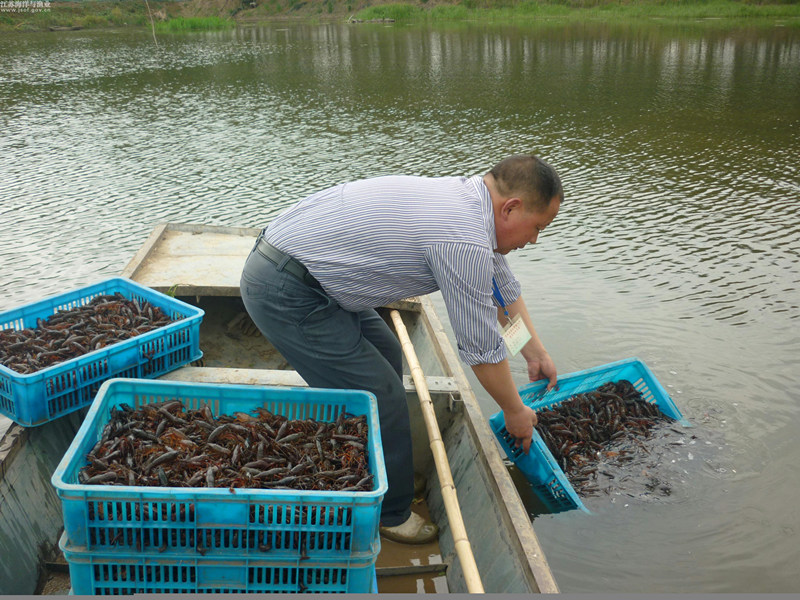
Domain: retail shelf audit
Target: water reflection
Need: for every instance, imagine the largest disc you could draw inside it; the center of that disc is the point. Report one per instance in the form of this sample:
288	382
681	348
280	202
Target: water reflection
678	241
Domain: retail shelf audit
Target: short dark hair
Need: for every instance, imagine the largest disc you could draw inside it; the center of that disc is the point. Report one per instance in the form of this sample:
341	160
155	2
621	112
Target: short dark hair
529	177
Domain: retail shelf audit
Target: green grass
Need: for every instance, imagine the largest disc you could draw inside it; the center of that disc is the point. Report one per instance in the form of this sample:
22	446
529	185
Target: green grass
92	14
398	12
122	13
117	13
601	10
194	24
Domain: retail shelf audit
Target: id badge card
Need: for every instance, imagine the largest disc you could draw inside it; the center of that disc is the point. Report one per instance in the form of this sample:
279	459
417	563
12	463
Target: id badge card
516	335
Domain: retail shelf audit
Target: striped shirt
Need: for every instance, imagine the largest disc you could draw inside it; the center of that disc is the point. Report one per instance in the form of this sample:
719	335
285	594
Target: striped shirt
375	241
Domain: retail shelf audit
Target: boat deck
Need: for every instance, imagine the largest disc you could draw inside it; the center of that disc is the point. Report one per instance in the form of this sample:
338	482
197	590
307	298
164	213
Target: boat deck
411	569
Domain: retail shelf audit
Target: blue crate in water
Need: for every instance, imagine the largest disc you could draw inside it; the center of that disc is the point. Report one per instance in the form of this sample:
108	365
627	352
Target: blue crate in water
127	573
55	391
155	521
540	467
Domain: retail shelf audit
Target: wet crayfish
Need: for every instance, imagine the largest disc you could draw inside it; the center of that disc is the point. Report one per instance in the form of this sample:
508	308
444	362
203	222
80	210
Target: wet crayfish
587	428
71	333
165	444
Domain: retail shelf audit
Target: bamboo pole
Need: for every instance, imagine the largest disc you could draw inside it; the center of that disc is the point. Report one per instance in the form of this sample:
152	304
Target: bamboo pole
462	545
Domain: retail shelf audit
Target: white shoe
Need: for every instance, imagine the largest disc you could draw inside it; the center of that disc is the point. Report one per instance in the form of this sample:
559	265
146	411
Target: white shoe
415	530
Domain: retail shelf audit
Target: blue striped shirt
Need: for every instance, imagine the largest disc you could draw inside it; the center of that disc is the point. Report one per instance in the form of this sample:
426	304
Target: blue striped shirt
375	241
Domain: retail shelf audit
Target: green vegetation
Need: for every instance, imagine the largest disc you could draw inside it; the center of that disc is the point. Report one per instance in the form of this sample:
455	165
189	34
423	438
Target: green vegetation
194	24
193	15
600	10
168	16
74	14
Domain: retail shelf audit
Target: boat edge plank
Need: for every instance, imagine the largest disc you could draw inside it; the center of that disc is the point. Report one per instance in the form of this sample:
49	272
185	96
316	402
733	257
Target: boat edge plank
515	514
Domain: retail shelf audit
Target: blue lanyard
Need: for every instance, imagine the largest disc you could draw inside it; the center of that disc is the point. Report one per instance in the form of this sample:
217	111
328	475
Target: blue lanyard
499	297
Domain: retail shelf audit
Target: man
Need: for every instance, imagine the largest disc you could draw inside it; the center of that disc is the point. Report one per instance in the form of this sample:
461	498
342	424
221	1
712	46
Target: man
319	270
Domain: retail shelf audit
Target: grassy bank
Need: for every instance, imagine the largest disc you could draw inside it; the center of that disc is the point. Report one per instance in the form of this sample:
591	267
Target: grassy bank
167	16
76	14
175	16
194	24
597	10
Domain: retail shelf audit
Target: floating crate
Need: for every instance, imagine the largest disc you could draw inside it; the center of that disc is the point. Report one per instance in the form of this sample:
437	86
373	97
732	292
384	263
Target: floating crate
157	520
93	573
540	467
55	391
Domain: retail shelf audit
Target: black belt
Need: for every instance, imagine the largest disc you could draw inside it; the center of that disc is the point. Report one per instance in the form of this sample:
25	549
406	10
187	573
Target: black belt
290	265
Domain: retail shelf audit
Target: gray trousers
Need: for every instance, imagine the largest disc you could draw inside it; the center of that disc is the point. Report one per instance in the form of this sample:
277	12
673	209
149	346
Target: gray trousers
334	348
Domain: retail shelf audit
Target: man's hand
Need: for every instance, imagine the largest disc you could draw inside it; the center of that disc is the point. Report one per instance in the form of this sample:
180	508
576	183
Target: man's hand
541	366
520	423
520	419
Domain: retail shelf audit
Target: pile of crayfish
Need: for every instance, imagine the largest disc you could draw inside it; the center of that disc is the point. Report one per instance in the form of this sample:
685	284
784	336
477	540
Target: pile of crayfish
165	444
589	427
70	333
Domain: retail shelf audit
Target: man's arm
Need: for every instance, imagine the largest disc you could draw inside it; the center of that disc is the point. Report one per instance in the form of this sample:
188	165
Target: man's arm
520	419
540	365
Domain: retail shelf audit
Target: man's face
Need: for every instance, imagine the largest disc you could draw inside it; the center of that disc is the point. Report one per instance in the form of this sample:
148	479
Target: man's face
516	227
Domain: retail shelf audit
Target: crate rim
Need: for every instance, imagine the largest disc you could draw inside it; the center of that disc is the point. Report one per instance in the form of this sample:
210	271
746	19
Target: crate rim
148	493
197	313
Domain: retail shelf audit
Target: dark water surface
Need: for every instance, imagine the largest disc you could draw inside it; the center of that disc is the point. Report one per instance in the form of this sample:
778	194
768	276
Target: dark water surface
678	242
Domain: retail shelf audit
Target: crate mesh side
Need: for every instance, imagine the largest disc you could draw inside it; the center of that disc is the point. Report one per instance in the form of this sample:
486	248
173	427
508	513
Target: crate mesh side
172	525
302	411
66	400
149	574
112	578
324	527
291	579
6	397
179	357
641	386
13	324
149	354
549	489
140	512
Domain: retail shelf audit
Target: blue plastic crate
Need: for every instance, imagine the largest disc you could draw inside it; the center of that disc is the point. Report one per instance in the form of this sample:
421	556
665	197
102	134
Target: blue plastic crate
540	467
55	391
174	520
94	573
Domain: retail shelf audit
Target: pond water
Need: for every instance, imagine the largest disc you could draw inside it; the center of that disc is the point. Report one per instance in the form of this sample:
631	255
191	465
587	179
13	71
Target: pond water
677	243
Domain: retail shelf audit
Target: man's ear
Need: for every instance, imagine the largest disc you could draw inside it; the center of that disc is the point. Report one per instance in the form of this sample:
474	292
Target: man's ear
510	204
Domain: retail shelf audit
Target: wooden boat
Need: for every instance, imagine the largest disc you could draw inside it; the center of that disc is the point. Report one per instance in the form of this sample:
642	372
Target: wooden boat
201	265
